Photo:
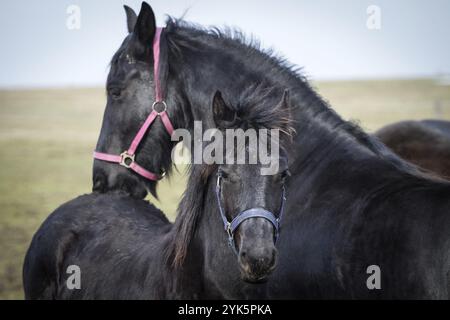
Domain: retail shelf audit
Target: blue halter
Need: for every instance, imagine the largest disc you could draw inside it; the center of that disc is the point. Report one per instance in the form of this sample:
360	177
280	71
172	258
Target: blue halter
230	227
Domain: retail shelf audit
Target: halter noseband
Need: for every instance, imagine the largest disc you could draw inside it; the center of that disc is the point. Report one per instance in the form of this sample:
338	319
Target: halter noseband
230	227
126	158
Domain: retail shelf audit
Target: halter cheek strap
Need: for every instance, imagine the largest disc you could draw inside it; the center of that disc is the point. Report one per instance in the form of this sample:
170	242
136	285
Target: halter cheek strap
127	158
230	227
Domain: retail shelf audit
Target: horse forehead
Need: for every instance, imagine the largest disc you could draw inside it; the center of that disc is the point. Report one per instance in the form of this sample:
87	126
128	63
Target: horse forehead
126	68
124	60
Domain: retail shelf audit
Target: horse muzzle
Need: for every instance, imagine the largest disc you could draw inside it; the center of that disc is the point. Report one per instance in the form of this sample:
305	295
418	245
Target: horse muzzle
257	254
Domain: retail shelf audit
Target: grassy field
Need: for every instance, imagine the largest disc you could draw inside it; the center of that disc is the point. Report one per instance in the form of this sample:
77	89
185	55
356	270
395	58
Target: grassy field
47	138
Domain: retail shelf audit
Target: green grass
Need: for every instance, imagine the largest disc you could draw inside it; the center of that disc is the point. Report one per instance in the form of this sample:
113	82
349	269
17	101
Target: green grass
47	138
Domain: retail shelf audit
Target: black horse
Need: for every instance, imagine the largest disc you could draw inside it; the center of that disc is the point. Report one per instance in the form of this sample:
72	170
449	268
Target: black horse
425	143
351	202
125	248
115	240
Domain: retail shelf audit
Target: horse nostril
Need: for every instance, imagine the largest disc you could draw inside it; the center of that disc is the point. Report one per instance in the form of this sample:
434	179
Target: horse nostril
258	262
274	257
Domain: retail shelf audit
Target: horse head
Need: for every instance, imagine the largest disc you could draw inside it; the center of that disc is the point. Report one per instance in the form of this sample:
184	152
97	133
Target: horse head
250	200
134	148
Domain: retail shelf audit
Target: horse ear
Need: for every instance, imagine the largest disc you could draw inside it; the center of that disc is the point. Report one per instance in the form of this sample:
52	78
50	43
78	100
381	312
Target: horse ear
145	26
131	18
222	113
284	102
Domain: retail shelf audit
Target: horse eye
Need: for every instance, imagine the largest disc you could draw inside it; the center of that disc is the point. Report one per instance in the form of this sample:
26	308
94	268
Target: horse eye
229	176
115	92
223	174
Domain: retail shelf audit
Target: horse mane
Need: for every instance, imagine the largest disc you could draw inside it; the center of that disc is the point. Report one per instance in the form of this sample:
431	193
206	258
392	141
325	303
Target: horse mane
258	108
182	34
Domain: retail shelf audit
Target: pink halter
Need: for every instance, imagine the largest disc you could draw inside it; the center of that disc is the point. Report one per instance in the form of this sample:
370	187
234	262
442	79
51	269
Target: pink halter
126	158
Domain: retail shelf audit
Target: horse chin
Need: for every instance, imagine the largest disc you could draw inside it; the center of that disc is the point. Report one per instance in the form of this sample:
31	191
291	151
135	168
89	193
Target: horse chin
254	279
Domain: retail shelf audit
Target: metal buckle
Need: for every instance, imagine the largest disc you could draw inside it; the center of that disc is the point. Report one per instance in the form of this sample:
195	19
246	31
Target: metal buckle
229	231
157	103
126	157
219	179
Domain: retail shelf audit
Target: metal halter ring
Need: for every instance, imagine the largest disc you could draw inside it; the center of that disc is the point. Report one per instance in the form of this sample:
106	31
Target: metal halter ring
229	231
157	103
125	157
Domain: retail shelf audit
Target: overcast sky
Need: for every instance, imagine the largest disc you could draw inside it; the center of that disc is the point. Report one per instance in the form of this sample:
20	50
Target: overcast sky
329	38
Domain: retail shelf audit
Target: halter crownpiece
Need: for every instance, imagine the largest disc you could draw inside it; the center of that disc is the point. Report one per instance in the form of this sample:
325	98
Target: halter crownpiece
127	158
231	226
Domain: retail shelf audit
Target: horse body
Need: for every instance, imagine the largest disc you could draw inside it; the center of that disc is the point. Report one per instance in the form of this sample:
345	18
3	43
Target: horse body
441	125
382	218
425	143
388	216
117	242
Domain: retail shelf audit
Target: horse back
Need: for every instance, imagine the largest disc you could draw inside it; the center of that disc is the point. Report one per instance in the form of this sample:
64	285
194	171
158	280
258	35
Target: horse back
94	226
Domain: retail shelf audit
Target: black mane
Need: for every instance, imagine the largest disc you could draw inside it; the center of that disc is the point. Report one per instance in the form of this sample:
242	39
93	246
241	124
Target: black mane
185	35
259	107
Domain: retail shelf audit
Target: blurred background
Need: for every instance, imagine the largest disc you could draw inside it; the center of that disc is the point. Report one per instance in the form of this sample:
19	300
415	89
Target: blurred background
376	62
